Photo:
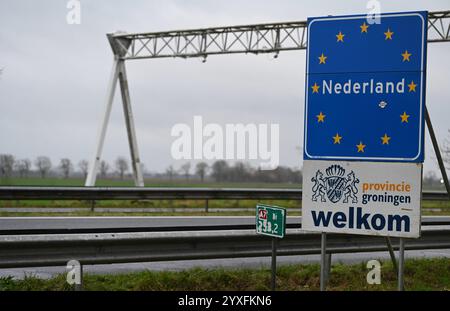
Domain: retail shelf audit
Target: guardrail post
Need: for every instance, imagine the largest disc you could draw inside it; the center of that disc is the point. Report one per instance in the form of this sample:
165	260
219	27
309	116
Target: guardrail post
274	265
401	265
93	206
206	205
79	286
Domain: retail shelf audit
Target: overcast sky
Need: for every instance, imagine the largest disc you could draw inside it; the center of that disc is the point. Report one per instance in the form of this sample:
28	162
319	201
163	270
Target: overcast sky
55	75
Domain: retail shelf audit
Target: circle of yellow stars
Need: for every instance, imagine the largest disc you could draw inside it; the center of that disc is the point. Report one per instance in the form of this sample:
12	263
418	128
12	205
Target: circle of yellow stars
406	57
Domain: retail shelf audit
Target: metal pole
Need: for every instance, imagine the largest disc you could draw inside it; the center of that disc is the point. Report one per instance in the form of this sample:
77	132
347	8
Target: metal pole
391	253
79	287
129	121
327	267
93	167
323	252
401	265
274	264
206	205
437	151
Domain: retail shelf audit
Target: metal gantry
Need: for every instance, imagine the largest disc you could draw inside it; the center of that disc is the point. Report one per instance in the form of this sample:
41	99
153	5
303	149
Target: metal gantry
247	39
439	26
255	39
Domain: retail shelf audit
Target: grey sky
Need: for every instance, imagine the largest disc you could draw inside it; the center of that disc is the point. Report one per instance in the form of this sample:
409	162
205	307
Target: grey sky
53	86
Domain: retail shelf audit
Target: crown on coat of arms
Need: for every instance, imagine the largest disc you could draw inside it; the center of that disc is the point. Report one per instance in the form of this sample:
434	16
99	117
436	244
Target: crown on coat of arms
335	171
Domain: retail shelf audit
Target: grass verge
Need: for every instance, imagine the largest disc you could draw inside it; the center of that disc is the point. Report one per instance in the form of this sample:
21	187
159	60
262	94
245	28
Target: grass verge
420	274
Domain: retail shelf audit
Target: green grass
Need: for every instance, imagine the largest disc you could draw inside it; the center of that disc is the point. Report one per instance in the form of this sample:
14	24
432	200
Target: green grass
153	182
420	274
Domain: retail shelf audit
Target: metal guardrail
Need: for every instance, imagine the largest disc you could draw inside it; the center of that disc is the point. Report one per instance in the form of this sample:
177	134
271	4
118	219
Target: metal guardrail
31	250
107	248
160	193
247	223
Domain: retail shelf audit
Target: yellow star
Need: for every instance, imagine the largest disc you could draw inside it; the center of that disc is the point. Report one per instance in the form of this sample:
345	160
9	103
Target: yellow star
388	34
320	117
340	37
315	88
364	27
406	56
322	59
361	147
404	117
337	139
385	139
412	87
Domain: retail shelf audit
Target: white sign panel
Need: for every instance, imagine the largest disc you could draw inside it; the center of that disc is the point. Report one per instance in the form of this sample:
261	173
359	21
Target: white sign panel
362	197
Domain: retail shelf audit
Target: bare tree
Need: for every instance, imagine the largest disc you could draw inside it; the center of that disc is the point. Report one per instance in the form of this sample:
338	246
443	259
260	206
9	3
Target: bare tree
6	165
431	179
43	164
446	151
104	168
65	165
23	166
220	170
121	166
84	167
170	172
185	168
200	170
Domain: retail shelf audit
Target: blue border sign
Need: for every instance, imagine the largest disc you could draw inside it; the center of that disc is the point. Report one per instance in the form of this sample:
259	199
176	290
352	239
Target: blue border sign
365	88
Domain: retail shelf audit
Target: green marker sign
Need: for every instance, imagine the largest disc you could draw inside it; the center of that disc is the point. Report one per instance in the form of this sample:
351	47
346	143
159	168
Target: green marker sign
270	220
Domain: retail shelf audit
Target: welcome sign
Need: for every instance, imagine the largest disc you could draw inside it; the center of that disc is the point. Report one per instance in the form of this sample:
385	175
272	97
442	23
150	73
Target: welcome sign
362	197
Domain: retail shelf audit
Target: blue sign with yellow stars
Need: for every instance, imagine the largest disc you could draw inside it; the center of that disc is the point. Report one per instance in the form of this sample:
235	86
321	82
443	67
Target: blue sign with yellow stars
365	88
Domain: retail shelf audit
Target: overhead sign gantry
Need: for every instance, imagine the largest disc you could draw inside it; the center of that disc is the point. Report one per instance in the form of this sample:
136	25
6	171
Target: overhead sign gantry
245	39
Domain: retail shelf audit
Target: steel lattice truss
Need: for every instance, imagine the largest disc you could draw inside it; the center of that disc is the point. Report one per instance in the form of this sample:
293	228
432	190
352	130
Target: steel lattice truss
255	39
439	26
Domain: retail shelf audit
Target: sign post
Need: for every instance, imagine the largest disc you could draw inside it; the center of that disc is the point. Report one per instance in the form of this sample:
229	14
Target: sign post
323	258
271	221
273	266
401	265
364	127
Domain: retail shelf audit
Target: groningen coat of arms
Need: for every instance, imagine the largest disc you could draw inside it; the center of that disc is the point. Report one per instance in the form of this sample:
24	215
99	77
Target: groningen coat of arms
335	185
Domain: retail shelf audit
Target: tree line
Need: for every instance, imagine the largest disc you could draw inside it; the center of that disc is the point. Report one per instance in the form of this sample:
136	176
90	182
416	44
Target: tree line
219	171
222	171
43	166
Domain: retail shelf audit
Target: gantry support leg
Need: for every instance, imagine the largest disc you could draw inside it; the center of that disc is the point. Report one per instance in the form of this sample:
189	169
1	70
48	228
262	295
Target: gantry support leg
94	164
129	121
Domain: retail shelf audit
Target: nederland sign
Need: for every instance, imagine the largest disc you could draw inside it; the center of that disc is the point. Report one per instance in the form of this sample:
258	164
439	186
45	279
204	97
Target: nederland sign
365	88
364	124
